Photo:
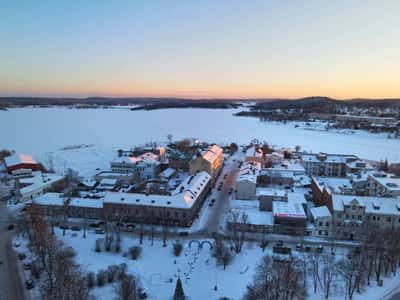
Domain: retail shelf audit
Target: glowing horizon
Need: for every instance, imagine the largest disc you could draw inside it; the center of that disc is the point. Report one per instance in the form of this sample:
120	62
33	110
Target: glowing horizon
224	49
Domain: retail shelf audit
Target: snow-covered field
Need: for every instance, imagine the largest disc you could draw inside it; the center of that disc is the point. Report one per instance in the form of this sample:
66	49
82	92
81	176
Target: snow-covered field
85	139
158	269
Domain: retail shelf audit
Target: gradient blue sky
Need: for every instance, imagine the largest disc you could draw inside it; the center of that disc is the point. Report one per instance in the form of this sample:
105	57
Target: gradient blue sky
342	49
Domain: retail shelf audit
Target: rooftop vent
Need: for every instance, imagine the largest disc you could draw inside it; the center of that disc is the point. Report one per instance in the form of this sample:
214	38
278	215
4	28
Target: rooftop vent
376	205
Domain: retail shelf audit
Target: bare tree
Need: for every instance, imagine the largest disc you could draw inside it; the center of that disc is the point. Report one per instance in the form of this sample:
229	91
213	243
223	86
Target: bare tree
237	225
329	272
314	269
126	289
277	280
352	271
169	137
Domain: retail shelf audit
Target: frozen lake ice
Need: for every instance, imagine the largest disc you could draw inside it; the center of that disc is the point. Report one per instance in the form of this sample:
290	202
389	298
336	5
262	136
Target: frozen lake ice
40	131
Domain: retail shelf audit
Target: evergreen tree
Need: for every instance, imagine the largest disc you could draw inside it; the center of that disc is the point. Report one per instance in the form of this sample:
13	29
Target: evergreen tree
179	294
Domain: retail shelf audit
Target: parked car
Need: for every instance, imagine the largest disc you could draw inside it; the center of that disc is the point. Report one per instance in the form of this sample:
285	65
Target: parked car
183	233
16	244
320	249
99	231
27	266
142	293
307	248
10	226
212	200
29	284
211	204
21	256
279	243
299	247
64	227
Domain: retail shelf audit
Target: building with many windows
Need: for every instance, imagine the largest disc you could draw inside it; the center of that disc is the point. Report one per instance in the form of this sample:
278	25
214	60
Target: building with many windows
354	215
144	167
209	161
383	184
323	164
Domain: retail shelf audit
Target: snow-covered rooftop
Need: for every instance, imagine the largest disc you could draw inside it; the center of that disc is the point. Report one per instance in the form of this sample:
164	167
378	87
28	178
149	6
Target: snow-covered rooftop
212	153
38	181
336	184
251	208
185	195
327	158
56	199
288	209
389	181
320	212
376	205
17	159
167	173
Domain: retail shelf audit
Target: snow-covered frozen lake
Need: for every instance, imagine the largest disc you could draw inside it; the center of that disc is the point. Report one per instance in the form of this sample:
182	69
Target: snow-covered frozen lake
42	130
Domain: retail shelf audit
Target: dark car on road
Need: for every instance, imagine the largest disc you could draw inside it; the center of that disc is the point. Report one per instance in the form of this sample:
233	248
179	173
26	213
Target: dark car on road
29	284
10	226
75	228
21	256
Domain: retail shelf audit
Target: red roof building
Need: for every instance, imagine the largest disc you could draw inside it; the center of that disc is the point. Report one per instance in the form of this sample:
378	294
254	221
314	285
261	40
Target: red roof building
21	161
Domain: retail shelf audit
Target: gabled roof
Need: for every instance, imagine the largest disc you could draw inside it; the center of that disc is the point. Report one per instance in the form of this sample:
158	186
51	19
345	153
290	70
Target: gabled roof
212	153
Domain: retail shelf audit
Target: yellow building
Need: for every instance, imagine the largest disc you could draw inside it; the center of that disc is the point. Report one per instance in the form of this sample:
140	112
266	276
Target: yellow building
209	161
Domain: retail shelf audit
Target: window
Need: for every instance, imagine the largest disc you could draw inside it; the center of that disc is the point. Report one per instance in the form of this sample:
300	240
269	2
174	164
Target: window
327	224
320	223
389	219
359	218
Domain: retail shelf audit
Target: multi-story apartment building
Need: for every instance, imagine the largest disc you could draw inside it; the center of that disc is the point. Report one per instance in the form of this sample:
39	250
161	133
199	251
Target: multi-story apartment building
209	161
56	205
353	216
179	208
322	221
323	164
383	185
145	166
